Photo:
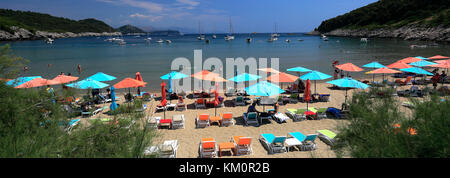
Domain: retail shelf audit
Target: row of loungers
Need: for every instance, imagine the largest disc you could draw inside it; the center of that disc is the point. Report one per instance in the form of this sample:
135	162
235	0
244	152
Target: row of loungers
239	145
282	144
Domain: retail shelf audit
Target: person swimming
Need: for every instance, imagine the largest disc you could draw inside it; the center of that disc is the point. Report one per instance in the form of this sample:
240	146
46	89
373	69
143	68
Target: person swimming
79	68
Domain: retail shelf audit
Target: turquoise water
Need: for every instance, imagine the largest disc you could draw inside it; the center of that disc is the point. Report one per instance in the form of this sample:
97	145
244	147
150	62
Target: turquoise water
153	60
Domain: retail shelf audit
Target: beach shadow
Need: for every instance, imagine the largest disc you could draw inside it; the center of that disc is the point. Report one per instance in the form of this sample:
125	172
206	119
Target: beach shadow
228	103
239	121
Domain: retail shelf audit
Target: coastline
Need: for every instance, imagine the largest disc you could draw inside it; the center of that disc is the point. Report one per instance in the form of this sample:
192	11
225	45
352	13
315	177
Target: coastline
24	34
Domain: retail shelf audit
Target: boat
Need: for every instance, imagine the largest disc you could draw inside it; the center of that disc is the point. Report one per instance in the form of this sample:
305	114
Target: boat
207	40
325	39
301	40
49	41
160	41
288	41
276	34
249	40
201	36
122	43
214	36
365	40
168	41
230	36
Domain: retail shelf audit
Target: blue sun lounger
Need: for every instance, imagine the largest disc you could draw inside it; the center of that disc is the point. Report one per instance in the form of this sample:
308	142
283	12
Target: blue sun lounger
274	144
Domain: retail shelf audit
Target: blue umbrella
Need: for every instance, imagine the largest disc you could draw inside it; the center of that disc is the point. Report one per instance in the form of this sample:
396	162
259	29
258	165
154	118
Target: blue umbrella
113	105
298	69
21	80
264	88
245	77
420	57
374	65
422	63
174	75
101	77
88	83
315	75
348	83
416	70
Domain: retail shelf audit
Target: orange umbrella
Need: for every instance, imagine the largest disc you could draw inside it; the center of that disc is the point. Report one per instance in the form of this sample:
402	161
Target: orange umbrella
282	78
442	61
383	71
64	79
349	67
208	76
409	60
444	64
129	83
439	57
37	82
399	65
4	79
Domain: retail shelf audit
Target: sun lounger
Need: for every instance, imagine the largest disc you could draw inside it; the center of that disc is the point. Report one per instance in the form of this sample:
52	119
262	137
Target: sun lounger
239	101
327	136
407	81
309	143
243	145
230	92
324	97
178	122
200	103
227	119
280	117
274	144
337	113
202	121
93	113
413	92
166	150
153	122
321	113
72	123
265	116
294	139
251	118
296	114
208	148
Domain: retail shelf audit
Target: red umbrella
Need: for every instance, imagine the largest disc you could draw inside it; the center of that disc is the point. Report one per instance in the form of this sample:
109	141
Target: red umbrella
64	79
163	96
307	92
439	57
409	60
139	78
216	99
399	65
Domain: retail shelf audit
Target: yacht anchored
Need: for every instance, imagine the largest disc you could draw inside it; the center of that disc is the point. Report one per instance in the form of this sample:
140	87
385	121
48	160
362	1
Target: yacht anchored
49	41
160	41
230	36
168	41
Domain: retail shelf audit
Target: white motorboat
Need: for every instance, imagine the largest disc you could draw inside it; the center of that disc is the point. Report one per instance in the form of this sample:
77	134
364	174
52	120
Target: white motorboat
160	41
230	36
49	41
214	36
288	41
249	40
168	41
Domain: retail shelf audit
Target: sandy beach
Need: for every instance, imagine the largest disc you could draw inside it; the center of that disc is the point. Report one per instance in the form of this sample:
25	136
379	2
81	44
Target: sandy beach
189	138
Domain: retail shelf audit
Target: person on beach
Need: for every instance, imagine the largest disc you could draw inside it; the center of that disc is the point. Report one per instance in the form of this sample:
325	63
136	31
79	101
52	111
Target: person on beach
69	74
79	69
25	68
252	108
443	76
435	80
108	91
301	86
336	72
342	73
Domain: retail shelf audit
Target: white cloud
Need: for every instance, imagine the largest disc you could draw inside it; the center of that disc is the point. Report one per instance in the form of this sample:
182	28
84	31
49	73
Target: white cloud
188	2
150	17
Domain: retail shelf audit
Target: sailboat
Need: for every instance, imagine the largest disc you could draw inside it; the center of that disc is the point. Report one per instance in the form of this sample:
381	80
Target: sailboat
230	36
214	35
274	36
201	36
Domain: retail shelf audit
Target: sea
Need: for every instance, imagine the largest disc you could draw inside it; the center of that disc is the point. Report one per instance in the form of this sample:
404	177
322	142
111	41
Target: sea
152	60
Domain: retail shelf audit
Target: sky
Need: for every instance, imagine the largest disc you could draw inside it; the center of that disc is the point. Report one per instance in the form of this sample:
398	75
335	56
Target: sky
212	16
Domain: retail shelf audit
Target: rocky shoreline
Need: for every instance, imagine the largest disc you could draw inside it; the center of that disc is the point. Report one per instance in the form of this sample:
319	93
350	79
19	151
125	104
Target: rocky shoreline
17	34
436	34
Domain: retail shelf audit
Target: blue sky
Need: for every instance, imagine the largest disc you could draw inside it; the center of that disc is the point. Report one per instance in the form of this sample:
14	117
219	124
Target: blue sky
213	15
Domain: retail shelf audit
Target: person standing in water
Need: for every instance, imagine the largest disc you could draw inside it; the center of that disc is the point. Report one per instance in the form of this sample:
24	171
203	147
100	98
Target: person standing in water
79	69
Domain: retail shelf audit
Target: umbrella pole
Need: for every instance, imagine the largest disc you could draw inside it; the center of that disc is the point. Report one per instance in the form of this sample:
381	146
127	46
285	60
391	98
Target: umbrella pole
315	86
346	89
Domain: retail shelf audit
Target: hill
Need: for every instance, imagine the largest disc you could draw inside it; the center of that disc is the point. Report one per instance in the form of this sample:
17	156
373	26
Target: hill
392	14
33	21
130	29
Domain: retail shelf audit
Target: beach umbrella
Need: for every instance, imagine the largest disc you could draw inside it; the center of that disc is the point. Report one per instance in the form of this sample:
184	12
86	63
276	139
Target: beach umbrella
299	69
443	64
421	58
245	77
264	88
174	75
170	84
442	61
315	75
375	65
102	77
139	78
349	67
4	79
282	77
129	83
348	83
408	60
307	95
422	63
21	80
216	99
208	76
163	97
113	105
439	57
383	71
416	70
88	84
37	82
65	79
399	65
